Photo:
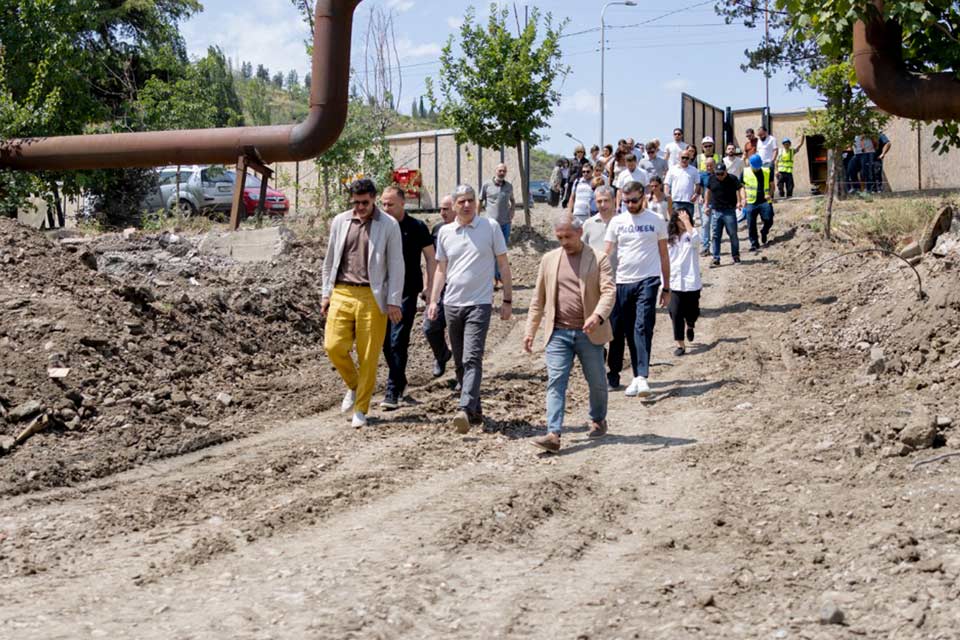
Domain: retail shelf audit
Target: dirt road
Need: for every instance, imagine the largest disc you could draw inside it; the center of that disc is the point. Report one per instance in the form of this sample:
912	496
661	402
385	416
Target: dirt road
740	502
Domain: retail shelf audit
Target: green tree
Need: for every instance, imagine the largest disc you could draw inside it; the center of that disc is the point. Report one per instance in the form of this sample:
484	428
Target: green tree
293	80
361	150
263	74
847	114
421	113
413	109
808	35
246	70
277	80
501	90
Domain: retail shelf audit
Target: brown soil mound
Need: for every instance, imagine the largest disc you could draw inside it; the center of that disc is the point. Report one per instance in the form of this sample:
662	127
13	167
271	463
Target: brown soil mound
168	350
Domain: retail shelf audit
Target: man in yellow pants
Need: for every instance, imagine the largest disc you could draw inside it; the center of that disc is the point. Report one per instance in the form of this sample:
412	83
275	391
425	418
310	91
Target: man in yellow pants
362	286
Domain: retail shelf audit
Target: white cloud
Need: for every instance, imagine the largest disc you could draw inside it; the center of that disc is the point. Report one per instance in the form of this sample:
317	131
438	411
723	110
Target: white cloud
400	5
407	49
583	101
677	85
454	23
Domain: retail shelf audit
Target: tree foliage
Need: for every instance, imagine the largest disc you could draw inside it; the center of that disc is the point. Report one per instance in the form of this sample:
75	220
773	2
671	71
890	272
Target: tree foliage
501	88
808	35
360	151
847	114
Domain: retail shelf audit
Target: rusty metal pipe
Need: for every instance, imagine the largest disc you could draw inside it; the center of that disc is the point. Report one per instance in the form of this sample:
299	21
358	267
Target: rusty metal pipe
878	61
329	89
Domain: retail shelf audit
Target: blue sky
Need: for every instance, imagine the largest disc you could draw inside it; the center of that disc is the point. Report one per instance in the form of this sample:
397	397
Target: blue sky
647	67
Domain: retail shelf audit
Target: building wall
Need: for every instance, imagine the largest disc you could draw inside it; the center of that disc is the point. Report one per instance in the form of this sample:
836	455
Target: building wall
910	165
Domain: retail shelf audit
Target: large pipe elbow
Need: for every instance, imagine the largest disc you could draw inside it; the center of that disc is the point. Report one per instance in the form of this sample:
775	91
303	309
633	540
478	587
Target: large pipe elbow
329	97
878	62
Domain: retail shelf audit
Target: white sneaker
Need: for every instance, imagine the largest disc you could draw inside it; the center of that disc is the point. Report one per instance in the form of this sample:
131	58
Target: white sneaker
359	419
349	399
638	387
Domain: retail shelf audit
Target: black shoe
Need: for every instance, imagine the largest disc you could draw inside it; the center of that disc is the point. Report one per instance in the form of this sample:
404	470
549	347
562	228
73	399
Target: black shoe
763	239
690	334
754	249
736	260
714	264
679	351
390	402
440	366
475	418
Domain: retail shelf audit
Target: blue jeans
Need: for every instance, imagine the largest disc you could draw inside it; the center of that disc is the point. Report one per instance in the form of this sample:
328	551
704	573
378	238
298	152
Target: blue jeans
637	308
706	228
563	346
505	228
765	213
725	219
396	345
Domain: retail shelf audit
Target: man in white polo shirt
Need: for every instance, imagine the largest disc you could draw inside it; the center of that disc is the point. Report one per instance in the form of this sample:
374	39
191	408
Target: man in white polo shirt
639	238
682	183
467	250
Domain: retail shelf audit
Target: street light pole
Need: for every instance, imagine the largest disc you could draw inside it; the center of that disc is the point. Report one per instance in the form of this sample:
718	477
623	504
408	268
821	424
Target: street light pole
603	47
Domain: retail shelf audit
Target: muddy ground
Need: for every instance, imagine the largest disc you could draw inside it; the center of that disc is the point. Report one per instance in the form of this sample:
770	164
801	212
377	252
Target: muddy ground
769	485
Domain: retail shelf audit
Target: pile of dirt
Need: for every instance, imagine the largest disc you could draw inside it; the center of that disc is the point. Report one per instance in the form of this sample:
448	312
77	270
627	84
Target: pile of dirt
120	349
892	359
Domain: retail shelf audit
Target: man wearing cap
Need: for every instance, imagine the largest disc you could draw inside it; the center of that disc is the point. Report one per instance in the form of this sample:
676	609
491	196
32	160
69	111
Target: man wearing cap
785	167
706	171
723	197
759	196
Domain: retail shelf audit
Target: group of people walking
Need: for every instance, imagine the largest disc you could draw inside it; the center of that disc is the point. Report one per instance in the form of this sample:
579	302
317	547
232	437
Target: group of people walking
627	244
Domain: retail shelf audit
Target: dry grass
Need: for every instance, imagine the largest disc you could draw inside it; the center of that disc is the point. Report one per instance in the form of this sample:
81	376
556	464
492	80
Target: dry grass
888	222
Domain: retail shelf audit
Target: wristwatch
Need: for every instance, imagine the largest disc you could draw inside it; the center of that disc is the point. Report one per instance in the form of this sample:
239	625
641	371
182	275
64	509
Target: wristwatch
666	289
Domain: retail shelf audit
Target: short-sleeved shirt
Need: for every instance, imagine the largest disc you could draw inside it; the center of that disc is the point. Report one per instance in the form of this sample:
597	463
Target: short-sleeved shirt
682	182
655	167
415	237
470	252
724	192
685	262
637	175
766	148
734	165
496	200
595	235
637	239
356	253
569	302
675	149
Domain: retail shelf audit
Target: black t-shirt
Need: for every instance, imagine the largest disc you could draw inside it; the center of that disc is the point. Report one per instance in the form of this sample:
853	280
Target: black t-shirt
436	231
724	192
416	236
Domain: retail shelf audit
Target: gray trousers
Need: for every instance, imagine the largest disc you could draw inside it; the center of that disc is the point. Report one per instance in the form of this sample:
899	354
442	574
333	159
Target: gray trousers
468	327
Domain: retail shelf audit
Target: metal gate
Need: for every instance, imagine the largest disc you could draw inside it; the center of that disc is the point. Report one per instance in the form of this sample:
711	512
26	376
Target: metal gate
699	119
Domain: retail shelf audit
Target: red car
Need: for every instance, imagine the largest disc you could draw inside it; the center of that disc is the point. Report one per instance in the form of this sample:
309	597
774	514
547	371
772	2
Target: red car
276	204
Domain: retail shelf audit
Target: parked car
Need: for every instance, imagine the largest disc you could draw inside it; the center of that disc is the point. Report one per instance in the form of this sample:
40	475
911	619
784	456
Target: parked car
539	190
209	189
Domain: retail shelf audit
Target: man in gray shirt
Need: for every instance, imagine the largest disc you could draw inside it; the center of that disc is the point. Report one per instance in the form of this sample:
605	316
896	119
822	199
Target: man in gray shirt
467	250
496	200
653	164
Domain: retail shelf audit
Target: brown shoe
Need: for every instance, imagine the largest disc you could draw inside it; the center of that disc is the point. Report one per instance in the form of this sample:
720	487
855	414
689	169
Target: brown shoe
597	429
549	442
461	422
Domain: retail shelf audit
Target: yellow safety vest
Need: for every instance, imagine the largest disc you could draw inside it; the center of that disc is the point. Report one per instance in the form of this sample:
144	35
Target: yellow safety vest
750	184
702	161
785	161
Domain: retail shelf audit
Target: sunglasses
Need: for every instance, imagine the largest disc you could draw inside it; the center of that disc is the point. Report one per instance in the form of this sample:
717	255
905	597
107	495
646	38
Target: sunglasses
631	200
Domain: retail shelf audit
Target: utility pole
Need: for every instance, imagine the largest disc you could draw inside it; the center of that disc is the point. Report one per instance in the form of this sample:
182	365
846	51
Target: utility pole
766	72
603	47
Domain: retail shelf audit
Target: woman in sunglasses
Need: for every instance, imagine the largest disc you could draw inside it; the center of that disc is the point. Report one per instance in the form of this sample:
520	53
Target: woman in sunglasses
685	284
657	200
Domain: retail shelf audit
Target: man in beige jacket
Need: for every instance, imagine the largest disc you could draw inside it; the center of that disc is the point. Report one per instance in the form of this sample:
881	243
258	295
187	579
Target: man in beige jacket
574	296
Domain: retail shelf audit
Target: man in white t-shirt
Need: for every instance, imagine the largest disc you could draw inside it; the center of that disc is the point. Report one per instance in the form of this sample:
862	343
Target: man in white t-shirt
639	238
674	150
682	183
767	148
633	173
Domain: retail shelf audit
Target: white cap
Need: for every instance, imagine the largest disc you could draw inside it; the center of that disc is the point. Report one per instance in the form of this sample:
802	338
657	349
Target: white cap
706	139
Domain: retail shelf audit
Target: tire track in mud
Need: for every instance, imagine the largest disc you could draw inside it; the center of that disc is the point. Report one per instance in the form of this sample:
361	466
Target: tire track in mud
404	529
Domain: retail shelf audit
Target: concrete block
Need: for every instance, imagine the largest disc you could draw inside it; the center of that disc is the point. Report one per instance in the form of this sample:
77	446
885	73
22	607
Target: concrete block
249	245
